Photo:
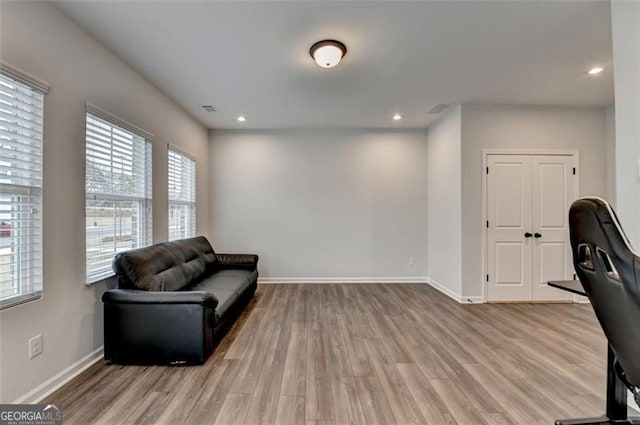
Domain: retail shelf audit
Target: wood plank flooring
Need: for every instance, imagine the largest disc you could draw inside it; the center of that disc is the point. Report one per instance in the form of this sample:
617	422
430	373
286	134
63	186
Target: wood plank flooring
365	354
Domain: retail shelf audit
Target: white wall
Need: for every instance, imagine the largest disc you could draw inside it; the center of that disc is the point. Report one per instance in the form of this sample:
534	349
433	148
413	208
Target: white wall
520	127
611	153
445	202
37	38
322	203
625	25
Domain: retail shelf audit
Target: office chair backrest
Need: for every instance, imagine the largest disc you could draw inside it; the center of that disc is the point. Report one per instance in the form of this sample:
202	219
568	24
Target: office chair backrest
609	270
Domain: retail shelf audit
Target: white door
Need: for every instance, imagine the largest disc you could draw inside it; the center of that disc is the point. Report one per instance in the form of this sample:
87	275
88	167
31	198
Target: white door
509	217
528	198
553	193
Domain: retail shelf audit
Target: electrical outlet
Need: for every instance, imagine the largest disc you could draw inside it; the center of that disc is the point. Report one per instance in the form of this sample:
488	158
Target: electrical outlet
412	261
35	346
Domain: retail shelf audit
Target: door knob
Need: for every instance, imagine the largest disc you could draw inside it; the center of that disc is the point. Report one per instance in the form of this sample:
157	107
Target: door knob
527	235
537	235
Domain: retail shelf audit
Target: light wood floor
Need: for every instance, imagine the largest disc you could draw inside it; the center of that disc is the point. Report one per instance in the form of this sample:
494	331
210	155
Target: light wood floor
366	354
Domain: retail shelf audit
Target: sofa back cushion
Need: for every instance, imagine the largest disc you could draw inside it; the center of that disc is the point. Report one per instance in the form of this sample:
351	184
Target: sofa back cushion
191	259
167	266
206	251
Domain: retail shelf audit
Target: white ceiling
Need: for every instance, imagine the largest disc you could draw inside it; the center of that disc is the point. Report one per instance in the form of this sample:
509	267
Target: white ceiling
252	57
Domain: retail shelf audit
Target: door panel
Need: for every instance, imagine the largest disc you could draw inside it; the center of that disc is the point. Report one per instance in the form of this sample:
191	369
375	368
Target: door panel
510	256
553	261
552	193
551	200
509	201
509	216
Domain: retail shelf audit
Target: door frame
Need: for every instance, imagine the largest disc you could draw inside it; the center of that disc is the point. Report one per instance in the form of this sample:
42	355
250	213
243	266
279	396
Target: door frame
485	154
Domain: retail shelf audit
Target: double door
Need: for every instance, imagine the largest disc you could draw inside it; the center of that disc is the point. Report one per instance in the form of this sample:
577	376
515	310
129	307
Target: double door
528	199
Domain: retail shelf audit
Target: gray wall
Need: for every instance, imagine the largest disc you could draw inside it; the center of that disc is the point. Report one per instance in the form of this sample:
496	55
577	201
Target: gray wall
445	202
37	38
322	203
625	20
519	127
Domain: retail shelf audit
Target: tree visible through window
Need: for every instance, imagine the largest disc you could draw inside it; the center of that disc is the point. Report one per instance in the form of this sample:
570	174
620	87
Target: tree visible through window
118	193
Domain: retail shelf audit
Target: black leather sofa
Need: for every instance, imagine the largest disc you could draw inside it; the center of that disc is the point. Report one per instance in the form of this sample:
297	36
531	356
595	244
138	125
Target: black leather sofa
174	300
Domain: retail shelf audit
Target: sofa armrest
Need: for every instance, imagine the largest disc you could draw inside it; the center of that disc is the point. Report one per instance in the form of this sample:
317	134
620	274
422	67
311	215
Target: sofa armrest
134	296
237	261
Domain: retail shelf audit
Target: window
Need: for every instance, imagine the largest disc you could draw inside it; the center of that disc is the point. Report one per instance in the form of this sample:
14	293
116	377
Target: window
21	118
118	190
182	195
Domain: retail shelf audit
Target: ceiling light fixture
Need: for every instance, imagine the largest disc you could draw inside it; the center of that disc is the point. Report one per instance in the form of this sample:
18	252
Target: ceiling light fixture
397	117
596	70
328	53
242	118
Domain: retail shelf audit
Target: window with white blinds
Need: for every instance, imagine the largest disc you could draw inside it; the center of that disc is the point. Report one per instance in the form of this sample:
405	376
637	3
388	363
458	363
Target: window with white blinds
182	195
118	191
21	119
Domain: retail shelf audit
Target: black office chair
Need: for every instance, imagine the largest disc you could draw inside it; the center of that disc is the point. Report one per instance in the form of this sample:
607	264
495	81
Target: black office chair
609	271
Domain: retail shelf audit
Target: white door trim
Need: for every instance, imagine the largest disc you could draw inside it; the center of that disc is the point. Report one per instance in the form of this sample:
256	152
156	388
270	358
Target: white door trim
485	155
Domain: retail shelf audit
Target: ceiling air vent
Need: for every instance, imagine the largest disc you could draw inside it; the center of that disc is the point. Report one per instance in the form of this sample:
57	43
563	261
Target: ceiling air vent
437	108
209	108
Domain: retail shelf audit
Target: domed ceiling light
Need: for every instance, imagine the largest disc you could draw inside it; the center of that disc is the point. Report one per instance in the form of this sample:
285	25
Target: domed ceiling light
328	53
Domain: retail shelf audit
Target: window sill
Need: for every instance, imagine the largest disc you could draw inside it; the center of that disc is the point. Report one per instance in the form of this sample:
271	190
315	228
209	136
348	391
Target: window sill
100	280
19	299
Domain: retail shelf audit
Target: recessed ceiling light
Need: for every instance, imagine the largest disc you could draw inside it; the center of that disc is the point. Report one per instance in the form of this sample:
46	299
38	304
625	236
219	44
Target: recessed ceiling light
328	53
596	70
397	117
242	118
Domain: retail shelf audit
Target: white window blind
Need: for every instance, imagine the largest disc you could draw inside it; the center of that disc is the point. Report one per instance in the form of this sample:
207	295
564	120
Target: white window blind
182	195
118	191
21	118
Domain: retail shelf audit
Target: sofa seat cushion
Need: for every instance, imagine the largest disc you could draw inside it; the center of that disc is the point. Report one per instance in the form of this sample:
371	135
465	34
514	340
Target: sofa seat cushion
227	286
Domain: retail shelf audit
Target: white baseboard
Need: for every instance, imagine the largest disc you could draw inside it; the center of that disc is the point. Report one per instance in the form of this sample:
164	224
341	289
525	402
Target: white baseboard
305	280
471	300
579	299
411	279
448	292
454	295
54	383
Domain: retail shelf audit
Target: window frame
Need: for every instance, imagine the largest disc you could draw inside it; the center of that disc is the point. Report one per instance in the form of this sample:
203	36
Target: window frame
191	204
141	227
33	288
